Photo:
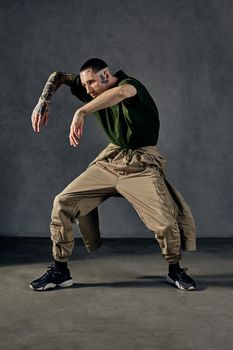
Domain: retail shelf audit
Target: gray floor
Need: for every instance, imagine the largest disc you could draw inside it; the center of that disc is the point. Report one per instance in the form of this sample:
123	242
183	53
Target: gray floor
120	299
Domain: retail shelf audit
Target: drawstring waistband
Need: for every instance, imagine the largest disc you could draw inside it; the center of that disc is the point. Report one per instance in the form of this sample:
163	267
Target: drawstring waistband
129	154
147	156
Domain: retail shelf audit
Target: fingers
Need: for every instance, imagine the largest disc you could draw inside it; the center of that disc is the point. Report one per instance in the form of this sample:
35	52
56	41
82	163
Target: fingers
74	140
38	123
34	123
38	120
81	128
46	119
76	131
79	131
74	136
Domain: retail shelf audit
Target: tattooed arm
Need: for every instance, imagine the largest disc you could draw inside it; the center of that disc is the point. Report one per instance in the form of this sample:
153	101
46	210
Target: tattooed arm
41	111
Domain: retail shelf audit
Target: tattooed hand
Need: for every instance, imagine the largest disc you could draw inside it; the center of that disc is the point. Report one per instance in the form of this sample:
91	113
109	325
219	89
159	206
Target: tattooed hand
40	115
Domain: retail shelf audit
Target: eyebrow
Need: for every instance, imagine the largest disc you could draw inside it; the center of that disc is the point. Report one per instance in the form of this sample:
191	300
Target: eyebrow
87	81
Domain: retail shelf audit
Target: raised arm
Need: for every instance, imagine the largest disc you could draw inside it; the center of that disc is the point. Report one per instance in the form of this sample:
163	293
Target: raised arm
41	110
107	99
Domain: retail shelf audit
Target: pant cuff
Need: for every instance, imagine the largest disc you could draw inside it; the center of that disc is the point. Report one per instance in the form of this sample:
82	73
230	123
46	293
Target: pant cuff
173	259
189	245
57	258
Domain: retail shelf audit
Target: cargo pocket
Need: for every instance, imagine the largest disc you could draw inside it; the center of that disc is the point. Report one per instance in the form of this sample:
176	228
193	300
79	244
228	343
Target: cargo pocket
62	247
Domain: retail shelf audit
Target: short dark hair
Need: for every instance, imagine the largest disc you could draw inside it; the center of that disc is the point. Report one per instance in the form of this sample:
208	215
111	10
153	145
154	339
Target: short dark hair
95	63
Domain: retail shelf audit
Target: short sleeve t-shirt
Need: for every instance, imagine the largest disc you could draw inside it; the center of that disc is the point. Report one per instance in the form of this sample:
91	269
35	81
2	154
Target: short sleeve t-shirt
131	123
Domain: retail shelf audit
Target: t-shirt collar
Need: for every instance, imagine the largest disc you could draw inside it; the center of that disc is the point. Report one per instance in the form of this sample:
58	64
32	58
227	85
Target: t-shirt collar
120	75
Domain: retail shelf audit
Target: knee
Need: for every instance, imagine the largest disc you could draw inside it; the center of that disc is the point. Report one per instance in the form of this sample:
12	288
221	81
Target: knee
59	200
64	205
61	205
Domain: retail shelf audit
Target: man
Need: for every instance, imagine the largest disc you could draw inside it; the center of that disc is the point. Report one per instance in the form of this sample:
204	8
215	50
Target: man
130	166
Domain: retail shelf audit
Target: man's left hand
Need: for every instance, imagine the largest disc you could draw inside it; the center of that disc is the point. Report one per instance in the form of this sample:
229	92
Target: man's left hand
76	128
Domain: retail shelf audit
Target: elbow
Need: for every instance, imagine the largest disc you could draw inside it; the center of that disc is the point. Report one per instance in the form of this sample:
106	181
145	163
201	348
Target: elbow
55	75
127	91
121	93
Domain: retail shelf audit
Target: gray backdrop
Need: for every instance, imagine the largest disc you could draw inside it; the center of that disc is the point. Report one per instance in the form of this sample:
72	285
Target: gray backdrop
181	50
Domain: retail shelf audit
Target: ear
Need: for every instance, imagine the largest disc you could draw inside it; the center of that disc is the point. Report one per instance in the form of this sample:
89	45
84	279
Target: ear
106	74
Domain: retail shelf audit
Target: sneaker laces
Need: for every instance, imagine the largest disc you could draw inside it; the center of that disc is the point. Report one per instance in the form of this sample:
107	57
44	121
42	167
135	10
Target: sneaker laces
184	275
50	270
184	269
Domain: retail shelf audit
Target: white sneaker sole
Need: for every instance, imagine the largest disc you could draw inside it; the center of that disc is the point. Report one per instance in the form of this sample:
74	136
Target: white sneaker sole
65	284
178	285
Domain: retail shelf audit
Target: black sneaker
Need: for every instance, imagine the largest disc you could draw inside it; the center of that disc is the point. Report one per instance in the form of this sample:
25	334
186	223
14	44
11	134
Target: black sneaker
51	279
181	280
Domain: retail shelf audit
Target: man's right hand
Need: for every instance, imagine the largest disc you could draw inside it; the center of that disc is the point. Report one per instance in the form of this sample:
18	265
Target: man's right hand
40	115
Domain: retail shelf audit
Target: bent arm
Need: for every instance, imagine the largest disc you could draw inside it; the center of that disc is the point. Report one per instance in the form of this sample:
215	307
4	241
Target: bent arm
41	110
108	98
55	80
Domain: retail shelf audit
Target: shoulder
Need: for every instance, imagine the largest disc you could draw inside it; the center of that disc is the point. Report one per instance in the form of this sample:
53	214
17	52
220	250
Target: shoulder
133	88
78	90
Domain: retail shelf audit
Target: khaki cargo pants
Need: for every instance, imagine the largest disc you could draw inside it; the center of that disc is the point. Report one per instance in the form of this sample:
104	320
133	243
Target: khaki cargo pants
137	175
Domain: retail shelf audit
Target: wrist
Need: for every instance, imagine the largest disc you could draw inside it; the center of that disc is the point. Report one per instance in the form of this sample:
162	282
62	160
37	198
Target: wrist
80	112
41	100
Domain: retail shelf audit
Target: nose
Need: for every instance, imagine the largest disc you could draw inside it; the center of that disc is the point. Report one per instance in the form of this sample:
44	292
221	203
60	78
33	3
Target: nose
89	89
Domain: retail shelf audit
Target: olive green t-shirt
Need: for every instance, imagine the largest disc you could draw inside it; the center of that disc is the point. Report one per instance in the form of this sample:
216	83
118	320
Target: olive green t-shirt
131	123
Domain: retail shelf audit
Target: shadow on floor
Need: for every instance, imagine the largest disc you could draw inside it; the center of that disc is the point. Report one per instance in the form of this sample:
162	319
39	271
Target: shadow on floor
26	251
203	283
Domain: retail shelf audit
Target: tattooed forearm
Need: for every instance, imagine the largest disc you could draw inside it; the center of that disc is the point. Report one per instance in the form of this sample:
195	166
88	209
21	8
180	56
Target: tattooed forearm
55	80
